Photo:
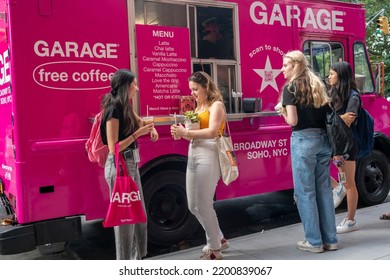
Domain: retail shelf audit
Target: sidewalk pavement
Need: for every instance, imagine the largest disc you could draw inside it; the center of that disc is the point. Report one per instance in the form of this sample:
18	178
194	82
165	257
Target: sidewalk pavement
370	242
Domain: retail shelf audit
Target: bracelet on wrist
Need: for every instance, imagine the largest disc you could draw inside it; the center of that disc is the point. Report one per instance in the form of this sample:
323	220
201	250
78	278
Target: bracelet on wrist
188	133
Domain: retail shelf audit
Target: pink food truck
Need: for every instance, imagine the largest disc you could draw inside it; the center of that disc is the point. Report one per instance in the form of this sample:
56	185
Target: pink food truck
56	60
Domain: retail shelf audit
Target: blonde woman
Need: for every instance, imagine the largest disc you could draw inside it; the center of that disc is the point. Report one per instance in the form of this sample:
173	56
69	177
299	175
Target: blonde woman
203	171
305	103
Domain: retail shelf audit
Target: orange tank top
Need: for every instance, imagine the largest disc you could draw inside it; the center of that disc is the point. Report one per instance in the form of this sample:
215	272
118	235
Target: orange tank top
204	119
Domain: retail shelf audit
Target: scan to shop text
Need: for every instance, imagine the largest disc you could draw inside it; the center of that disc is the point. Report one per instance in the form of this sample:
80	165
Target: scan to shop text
284	15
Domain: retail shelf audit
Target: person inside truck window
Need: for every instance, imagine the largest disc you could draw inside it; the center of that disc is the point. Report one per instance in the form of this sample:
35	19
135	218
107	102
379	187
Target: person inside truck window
305	102
121	124
208	44
203	171
341	84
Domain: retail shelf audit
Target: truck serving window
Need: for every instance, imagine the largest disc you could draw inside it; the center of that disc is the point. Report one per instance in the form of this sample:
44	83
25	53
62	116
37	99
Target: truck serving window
211	28
214	33
212	36
363	77
163	14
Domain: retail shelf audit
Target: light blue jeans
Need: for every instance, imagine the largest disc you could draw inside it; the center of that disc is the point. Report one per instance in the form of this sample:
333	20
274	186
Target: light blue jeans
130	240
203	173
311	155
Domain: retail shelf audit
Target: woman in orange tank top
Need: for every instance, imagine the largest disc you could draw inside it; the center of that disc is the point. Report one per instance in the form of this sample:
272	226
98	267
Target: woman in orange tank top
203	171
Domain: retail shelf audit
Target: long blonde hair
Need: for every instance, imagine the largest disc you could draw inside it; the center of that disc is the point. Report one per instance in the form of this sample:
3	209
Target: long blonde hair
306	86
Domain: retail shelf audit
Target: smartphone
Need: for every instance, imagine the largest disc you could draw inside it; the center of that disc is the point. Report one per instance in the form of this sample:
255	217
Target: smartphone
342	178
175	137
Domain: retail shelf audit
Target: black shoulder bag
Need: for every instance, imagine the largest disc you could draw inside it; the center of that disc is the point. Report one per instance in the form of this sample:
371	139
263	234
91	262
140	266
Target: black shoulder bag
339	134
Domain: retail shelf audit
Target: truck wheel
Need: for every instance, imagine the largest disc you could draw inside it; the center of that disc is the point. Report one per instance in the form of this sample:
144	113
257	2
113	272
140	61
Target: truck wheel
169	220
373	178
53	248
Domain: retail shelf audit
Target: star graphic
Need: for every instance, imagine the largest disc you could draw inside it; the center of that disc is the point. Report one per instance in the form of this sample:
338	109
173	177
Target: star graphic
269	75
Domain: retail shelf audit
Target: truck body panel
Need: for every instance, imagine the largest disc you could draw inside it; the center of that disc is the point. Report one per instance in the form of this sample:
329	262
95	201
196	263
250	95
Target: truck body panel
57	58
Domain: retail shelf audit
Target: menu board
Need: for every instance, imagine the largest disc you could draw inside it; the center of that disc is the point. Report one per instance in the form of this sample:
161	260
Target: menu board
164	65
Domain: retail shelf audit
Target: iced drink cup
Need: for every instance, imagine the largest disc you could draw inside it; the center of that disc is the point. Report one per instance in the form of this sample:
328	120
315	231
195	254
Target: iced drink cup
147	120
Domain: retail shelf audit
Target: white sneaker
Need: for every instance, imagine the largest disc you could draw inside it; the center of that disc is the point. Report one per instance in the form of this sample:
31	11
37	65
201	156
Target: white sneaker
339	193
224	245
306	246
212	255
347	226
330	247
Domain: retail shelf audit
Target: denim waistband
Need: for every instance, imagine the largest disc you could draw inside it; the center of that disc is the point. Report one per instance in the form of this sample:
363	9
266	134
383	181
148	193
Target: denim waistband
310	131
201	141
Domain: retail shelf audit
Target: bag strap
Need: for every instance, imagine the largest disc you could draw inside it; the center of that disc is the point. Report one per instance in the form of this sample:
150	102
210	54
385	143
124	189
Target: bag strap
352	94
119	157
227	126
360	109
226	122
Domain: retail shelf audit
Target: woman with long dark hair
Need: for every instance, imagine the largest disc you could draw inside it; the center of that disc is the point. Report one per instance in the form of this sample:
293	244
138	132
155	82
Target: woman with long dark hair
342	83
120	124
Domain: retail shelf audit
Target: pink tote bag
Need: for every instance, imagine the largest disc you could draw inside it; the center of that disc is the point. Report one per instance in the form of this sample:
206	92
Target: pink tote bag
125	203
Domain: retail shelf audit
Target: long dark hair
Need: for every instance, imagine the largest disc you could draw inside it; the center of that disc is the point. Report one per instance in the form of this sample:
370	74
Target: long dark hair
339	93
118	97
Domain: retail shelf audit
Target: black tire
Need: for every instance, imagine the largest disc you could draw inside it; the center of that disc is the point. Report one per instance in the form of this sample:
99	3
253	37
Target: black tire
53	248
169	220
373	178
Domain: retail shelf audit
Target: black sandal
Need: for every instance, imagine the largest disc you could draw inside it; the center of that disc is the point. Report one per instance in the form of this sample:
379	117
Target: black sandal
384	217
